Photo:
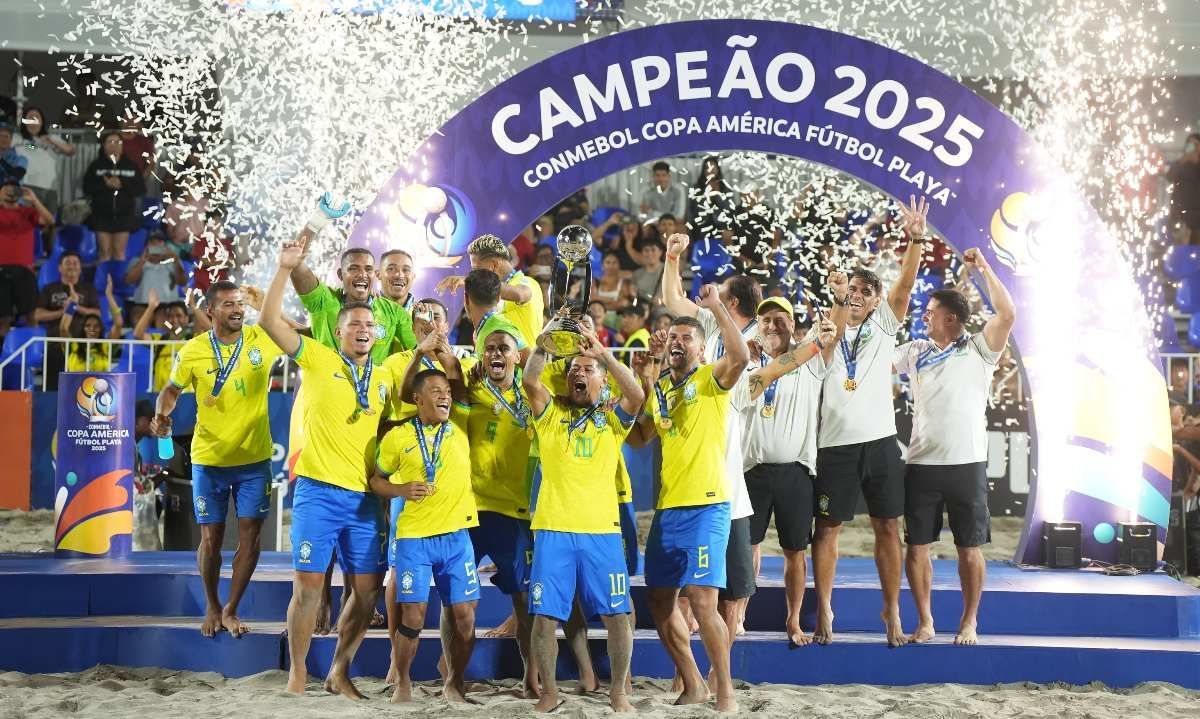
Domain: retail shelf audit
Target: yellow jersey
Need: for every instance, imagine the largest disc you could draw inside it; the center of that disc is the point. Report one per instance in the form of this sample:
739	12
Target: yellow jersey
499	450
577	493
398	363
451	507
94	357
339	439
554	376
528	316
693	448
237	429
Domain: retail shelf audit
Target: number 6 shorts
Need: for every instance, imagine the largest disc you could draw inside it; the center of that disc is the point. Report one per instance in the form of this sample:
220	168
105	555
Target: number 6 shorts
687	546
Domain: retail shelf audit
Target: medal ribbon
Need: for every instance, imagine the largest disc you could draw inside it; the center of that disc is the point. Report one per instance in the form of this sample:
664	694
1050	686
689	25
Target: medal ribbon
721	340
483	320
427	363
361	382
223	370
769	392
430	461
662	396
850	355
933	357
583	419
518	410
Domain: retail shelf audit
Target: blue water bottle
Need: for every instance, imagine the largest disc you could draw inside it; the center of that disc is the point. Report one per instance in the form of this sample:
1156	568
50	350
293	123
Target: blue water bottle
166	447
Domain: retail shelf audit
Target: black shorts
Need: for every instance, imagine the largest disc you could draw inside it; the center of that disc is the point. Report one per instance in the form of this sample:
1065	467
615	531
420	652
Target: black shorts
115	224
739	562
960	490
787	491
18	291
875	467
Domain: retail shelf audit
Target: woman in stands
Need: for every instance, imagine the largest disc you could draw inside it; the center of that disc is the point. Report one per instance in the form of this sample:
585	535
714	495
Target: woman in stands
115	187
611	288
92	356
41	150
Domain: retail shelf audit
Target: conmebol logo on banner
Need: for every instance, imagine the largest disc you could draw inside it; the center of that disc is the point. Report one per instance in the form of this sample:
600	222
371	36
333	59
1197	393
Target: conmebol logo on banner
95	400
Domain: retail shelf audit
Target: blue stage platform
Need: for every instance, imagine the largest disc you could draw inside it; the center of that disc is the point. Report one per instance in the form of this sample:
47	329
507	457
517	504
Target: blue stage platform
1037	625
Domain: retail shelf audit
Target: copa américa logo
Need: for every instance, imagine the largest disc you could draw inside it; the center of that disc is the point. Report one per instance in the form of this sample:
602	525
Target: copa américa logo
95	400
1017	231
433	223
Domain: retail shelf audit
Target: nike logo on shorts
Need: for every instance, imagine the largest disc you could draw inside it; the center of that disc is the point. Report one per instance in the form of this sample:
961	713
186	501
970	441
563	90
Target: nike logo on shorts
614	605
698	575
472	590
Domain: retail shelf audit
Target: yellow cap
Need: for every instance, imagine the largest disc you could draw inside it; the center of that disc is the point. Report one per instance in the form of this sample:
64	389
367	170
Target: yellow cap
775	303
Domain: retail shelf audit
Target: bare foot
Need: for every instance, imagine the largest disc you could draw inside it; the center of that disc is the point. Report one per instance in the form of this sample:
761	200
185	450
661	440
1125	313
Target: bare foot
232	624
741	627
296	684
587	684
548	702
677	683
530	691
923	634
442	667
796	635
966	635
211	624
727	705
393	676
403	692
341	684
378	620
823	632
699	696
323	617
456	694
620	704
507	628
895	632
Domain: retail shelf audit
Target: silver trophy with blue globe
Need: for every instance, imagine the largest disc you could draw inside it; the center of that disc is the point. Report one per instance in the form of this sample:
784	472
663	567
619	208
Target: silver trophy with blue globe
562	337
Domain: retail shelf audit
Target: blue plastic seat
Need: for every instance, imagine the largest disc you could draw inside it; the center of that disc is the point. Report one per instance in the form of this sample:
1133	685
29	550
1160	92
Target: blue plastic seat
13	341
48	272
71	237
137	243
1187	297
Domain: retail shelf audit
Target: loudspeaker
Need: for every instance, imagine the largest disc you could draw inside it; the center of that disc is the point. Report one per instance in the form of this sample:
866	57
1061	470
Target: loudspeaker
1063	542
1137	545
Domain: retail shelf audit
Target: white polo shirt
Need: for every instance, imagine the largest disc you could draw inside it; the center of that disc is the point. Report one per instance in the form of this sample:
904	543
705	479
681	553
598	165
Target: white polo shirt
739	398
790	434
865	413
950	390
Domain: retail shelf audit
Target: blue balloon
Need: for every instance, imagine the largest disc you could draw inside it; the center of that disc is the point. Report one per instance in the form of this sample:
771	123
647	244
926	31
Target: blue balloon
1181	261
1187	297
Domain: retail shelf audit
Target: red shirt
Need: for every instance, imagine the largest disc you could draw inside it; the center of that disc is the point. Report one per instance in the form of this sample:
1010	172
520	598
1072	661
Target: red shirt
16	235
212	264
138	148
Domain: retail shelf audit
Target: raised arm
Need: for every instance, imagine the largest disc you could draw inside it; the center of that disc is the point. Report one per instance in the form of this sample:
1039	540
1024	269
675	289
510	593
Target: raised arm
531	381
728	369
45	217
839	289
114	309
762	377
632	394
913	217
271	319
647	366
515	293
997	329
304	280
143	323
672	284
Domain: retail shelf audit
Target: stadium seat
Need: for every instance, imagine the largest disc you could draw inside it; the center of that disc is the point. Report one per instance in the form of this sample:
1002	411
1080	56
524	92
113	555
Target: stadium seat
152	211
89	251
13	341
1168	333
115	269
1187	297
142	358
137	243
1181	261
71	237
48	272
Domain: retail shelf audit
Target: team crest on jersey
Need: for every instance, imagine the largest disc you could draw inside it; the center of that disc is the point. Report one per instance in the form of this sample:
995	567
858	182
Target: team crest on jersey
382	393
689	392
535	592
406	583
255	356
202	506
823	503
380	332
305	551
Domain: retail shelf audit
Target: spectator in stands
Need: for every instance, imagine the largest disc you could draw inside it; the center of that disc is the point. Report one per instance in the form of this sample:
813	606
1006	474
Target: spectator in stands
1184	175
41	150
628	245
663	197
214	252
92	356
115	187
543	264
611	287
599	241
662	322
158	269
599	314
137	145
170	322
52	303
18	284
712	203
12	164
647	279
632	332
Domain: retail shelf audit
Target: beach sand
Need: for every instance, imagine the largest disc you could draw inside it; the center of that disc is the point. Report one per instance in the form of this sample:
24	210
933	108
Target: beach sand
107	691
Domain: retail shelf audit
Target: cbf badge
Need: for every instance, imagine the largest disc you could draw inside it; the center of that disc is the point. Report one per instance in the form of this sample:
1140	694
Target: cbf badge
535	592
689	392
380	332
202	506
382	393
406	583
255	356
823	503
305	551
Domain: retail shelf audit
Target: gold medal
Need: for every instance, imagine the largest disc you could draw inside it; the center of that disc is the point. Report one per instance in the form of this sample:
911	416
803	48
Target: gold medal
496	409
368	411
768	410
850	385
665	422
432	489
210	401
529	432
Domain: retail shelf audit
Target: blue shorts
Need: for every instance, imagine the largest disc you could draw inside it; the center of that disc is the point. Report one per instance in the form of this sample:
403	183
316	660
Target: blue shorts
564	562
508	541
448	559
395	507
629	536
687	546
250	485
326	517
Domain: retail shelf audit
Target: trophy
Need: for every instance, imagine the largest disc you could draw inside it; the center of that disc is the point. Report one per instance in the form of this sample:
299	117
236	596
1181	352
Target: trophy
561	336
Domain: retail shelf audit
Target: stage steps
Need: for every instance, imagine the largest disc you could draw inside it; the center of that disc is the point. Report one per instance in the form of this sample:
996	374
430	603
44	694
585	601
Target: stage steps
1036	602
64	644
